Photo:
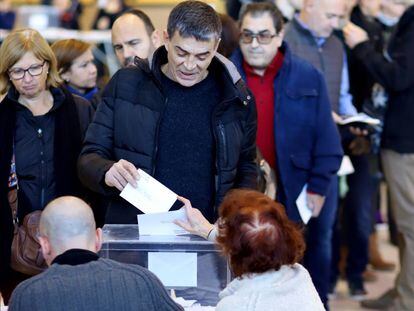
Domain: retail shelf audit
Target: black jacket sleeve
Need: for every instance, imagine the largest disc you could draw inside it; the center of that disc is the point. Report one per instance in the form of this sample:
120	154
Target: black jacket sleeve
247	168
97	154
396	74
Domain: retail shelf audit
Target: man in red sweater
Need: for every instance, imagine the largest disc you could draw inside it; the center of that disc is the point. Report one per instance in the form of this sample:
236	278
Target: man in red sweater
295	132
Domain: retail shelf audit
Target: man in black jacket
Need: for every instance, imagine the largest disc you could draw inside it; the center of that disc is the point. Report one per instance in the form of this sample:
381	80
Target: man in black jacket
188	120
396	73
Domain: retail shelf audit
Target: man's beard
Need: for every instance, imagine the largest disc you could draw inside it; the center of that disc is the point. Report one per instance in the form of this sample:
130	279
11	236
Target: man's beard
129	61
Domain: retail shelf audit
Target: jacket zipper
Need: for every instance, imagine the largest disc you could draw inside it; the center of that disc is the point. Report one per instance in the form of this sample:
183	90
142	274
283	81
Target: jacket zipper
42	168
214	124
224	141
157	130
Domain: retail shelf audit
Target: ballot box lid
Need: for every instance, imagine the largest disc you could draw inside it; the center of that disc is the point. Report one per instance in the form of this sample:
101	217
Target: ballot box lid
128	237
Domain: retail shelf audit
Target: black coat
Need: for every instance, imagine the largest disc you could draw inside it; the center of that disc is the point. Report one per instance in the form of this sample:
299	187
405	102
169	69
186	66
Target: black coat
361	81
127	122
70	117
396	74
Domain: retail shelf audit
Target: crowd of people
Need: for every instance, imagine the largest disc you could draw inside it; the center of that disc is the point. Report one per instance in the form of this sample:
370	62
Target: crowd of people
209	106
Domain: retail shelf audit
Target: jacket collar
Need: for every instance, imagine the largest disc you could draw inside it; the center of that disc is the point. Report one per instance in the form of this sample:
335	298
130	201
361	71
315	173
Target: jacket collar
74	257
57	93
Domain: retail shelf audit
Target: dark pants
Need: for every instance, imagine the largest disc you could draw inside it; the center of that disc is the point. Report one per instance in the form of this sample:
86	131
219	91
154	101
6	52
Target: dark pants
318	253
357	217
355	221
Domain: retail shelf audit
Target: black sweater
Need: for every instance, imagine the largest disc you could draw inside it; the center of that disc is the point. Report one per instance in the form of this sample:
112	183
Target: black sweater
186	137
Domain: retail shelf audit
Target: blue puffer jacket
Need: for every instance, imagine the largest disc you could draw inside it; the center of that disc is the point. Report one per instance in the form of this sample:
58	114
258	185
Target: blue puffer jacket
308	147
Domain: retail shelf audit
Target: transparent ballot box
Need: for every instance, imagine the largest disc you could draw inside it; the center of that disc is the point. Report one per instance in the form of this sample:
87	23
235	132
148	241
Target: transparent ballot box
190	265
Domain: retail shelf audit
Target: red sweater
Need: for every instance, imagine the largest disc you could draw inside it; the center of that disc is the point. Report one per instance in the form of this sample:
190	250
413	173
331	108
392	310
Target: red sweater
264	93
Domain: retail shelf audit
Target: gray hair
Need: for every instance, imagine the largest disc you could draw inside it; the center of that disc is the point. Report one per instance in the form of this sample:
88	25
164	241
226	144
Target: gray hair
194	19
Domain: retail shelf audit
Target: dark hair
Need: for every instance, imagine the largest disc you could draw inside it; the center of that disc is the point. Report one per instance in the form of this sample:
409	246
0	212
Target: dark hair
255	233
149	26
259	8
194	19
229	35
66	51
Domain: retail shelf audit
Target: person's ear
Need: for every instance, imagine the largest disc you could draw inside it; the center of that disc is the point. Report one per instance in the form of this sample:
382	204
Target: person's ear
156	39
308	5
46	249
280	37
166	39
98	239
65	76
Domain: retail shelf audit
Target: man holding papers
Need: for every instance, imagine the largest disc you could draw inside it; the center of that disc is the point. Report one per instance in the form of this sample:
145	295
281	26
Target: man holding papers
296	132
188	121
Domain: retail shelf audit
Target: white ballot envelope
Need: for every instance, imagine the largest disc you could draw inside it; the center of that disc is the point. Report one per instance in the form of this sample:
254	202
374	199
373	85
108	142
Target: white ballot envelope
175	269
304	211
161	223
150	196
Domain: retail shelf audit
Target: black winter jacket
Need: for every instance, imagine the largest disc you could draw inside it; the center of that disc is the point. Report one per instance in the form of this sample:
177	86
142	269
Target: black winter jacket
397	77
126	127
69	119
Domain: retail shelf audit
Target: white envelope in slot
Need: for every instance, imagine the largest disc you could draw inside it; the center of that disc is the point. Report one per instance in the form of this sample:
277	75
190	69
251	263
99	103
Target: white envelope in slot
174	269
150	196
161	223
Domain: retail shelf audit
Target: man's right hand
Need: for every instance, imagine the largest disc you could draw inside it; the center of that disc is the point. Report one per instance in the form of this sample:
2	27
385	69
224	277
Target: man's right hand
120	174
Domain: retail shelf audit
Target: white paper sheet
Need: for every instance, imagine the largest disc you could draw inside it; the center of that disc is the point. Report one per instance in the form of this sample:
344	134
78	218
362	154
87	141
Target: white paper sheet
304	211
150	196
174	269
161	223
346	167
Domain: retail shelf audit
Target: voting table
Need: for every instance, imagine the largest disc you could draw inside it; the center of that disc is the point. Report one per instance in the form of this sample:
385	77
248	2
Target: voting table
190	265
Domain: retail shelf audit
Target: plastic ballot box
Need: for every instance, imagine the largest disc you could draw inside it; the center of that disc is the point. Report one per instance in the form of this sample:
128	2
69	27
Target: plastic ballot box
190	265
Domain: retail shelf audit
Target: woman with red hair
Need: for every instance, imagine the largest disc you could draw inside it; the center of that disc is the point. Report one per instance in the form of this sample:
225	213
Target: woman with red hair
263	247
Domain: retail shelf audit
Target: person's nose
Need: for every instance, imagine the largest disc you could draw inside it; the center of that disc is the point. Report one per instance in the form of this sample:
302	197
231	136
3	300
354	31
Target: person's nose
255	42
128	52
27	77
92	68
190	63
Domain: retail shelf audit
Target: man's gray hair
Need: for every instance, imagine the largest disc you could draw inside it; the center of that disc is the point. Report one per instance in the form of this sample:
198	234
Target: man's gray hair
194	19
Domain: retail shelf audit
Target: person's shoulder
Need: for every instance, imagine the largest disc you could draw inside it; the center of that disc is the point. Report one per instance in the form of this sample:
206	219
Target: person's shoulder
304	70
24	289
81	103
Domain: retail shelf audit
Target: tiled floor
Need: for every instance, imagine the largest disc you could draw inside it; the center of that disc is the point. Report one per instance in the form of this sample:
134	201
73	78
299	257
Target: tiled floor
342	302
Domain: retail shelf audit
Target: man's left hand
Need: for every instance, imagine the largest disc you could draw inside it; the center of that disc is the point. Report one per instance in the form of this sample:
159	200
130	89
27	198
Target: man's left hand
315	202
354	35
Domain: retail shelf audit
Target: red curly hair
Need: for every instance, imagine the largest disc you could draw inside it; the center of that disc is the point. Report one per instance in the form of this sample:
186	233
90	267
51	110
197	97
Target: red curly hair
255	233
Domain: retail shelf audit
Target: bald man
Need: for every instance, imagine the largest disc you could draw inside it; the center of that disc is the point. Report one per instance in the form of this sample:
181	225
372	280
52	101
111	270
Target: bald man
77	278
133	34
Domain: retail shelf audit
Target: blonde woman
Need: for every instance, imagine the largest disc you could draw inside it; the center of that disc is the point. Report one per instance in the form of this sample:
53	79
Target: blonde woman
41	131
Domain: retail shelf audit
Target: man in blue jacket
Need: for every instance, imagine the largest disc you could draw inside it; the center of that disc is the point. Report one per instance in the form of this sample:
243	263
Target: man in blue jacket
296	133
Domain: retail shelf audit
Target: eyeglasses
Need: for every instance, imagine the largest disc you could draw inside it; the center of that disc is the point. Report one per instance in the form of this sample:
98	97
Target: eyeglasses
34	70
262	37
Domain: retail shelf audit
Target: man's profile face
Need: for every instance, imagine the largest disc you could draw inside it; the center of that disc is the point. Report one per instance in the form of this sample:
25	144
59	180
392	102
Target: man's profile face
326	15
130	38
256	54
188	58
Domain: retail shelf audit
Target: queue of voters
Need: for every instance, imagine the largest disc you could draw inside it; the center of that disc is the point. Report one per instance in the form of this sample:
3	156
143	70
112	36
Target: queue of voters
255	145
